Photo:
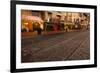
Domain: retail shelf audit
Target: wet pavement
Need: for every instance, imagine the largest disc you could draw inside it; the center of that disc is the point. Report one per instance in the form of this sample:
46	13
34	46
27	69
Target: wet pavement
56	47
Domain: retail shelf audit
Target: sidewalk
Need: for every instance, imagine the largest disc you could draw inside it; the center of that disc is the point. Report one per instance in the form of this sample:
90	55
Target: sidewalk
28	34
33	34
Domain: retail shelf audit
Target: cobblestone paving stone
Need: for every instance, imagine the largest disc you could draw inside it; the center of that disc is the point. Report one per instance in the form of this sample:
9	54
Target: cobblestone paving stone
57	47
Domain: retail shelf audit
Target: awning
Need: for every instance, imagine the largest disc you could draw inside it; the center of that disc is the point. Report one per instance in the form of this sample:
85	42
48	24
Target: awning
31	18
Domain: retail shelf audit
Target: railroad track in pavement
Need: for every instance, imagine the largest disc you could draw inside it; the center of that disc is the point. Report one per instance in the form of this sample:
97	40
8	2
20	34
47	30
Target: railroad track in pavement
60	47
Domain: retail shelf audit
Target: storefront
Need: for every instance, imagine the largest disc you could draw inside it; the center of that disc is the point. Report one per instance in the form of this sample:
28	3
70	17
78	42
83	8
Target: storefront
52	20
31	21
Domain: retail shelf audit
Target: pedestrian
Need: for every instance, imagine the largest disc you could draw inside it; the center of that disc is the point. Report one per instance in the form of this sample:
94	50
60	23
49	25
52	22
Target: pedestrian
77	23
39	30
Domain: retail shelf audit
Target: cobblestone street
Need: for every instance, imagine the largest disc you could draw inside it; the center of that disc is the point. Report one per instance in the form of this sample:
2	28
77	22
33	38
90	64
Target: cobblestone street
73	45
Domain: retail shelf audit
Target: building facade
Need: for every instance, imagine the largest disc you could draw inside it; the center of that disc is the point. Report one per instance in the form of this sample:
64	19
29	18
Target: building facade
53	20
